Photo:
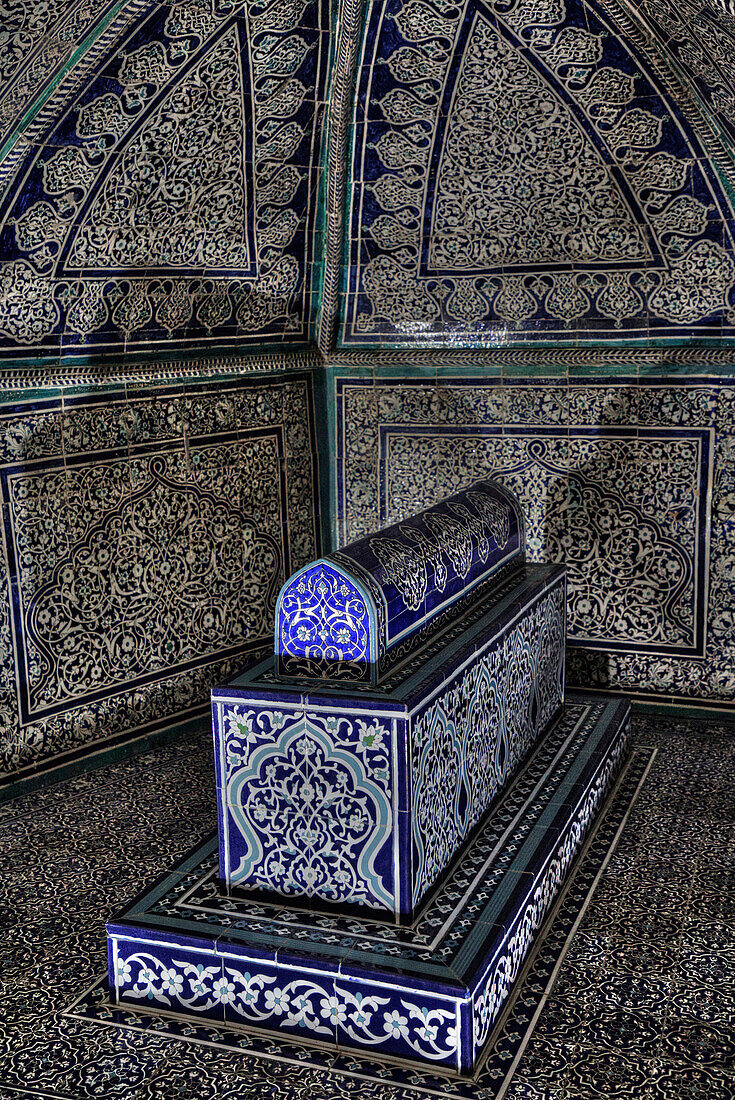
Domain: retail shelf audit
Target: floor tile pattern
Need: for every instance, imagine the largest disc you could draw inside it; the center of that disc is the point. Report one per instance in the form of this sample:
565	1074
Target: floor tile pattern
642	1005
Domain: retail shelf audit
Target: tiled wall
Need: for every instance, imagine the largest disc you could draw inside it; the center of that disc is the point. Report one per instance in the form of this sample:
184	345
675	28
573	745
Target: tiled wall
159	182
628	481
146	533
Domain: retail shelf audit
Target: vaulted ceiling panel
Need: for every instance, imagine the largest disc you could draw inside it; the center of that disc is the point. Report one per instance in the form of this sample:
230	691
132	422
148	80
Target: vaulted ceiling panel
524	171
157	181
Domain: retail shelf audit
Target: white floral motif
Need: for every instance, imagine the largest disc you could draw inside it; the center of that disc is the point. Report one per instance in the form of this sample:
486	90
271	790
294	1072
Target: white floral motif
323	625
123	971
395	1024
224	991
309	810
468	742
369	737
193	986
277	1000
333	1010
429	1029
172	982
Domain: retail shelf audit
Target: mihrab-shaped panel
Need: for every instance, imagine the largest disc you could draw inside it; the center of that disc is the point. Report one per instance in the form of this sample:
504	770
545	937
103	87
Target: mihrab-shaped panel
360	612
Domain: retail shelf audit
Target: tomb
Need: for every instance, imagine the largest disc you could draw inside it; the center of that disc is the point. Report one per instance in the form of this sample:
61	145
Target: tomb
402	788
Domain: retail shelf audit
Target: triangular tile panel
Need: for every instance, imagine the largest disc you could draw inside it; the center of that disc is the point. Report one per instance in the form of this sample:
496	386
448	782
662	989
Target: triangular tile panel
161	191
521	173
520	177
177	194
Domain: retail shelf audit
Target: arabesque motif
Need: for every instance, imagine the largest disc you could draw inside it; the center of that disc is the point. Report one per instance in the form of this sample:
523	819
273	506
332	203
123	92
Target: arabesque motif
519	174
172	199
137	576
615	477
469	741
322	623
309	804
311	1006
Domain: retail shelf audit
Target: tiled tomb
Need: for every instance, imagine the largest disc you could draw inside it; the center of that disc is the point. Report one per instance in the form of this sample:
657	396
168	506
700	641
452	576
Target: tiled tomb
418	755
399	800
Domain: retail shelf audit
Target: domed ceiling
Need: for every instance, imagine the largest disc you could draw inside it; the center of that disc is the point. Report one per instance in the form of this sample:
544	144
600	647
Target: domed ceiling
519	171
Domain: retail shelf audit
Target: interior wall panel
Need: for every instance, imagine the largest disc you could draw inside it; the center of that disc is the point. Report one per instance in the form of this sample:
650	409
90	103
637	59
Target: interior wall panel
628	482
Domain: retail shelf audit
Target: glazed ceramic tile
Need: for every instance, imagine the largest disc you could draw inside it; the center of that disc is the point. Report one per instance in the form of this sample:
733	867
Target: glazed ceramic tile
604	470
126	229
467	223
146	538
344	798
428	992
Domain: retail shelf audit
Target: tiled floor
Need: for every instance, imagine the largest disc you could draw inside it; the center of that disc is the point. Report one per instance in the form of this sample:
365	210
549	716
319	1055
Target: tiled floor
643	1005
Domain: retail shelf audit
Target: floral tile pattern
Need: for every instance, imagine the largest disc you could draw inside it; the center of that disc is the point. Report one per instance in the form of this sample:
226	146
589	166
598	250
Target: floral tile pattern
629	1009
309	801
161	189
699	36
146	537
353	616
626	482
521	172
468	741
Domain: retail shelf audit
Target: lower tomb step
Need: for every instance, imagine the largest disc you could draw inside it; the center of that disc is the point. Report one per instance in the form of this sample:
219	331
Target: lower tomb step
428	993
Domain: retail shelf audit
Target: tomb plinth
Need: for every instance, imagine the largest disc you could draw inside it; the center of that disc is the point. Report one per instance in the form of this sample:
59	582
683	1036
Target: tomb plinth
401	791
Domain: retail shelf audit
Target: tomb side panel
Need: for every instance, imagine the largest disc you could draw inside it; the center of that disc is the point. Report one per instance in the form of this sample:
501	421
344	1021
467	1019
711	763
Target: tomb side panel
309	801
468	740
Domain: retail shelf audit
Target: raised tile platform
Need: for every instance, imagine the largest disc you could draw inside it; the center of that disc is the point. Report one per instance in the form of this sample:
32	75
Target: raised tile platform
429	993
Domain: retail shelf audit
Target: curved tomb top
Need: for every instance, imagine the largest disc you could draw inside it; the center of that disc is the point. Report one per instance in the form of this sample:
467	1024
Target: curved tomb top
354	614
